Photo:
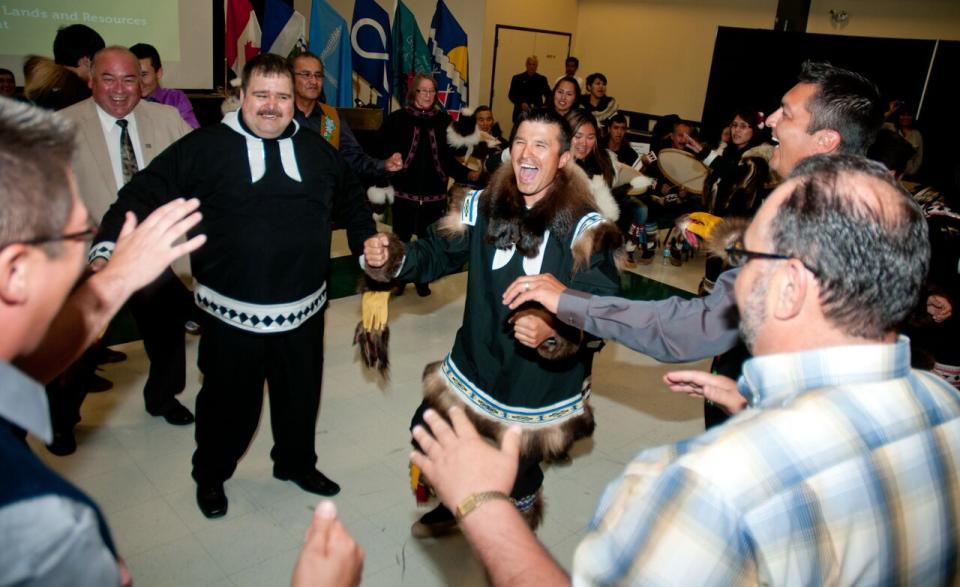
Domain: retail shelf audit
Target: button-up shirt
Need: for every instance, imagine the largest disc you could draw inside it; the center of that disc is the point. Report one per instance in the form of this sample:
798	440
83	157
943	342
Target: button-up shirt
844	470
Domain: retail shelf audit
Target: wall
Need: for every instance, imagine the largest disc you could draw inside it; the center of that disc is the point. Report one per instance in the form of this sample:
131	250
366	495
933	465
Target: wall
656	54
551	15
916	19
469	13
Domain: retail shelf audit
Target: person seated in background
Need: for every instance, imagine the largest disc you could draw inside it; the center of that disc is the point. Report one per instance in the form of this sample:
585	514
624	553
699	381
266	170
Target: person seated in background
789	491
8	83
566	93
616	141
473	144
151	74
570	67
596	101
903	123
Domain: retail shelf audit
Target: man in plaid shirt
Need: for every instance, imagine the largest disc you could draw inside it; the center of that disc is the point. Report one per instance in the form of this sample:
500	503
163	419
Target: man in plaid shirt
842	465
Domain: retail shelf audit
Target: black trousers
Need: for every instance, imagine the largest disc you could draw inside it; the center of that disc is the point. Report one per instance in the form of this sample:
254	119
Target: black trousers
413	218
160	310
529	474
235	363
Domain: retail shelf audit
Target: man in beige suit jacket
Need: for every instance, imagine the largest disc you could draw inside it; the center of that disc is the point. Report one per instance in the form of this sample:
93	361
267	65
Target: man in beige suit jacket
162	307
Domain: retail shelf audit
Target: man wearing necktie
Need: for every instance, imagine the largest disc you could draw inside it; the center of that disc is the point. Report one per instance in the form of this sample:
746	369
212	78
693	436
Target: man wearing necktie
117	135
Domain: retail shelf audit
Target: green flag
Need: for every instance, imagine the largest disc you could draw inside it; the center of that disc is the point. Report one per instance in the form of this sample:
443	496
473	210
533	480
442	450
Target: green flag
410	54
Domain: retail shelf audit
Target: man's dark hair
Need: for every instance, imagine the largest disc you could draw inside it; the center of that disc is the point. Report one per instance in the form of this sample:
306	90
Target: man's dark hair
617	117
845	102
303	55
145	51
892	150
481	108
570	80
268	65
572	60
596	76
5	71
35	151
75	42
546	116
862	235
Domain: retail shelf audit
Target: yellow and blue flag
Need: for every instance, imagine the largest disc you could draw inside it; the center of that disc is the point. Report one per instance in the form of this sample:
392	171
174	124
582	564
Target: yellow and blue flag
448	47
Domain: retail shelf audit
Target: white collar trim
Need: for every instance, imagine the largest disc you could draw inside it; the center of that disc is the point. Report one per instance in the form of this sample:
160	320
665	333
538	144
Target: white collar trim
256	154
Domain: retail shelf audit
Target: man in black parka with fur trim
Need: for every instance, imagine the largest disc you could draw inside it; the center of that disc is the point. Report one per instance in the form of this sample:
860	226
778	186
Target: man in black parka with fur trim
515	367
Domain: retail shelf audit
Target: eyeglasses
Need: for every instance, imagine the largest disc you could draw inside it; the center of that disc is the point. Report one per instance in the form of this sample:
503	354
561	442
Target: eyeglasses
305	75
739	256
81	236
740	125
426	91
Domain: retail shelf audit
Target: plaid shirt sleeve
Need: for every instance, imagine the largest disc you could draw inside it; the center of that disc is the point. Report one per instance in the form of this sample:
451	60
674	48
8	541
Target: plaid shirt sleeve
664	524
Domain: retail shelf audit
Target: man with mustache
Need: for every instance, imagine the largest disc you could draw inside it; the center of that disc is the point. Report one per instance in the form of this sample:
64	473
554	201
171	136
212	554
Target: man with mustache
117	135
269	194
537	214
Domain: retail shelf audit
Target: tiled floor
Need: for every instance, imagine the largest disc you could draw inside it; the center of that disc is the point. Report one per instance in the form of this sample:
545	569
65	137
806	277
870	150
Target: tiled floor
138	467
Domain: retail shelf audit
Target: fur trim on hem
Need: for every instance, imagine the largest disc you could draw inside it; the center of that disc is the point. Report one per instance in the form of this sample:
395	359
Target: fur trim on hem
395	254
379	196
545	442
725	235
534	515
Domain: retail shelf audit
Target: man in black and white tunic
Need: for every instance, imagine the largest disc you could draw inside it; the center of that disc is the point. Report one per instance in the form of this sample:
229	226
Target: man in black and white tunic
269	196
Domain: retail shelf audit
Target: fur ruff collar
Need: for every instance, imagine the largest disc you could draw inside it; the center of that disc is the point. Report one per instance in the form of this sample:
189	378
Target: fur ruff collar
511	223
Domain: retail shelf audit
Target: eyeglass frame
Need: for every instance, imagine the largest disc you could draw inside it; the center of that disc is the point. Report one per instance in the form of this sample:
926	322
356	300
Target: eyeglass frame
736	251
86	235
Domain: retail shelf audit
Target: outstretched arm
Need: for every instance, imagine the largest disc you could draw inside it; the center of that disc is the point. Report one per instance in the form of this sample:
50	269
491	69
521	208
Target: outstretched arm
141	254
672	330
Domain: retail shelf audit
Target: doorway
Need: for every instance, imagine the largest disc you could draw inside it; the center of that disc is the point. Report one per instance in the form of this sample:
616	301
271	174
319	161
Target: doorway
511	47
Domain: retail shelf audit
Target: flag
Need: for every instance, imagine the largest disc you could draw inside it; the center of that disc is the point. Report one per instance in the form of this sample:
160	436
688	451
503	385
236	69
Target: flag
410	53
284	29
330	40
448	46
370	39
242	35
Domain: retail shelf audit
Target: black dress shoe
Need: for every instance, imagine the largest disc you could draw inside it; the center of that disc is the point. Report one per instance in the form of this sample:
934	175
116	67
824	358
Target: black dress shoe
313	481
64	443
212	500
423	290
177	414
107	355
97	384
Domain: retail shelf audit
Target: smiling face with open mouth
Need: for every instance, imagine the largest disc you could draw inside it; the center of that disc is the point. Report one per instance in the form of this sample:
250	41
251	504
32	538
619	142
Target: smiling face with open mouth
115	83
267	104
536	157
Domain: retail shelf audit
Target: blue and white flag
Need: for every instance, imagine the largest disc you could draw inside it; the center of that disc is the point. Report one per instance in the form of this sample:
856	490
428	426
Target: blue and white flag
370	39
283	28
330	41
448	48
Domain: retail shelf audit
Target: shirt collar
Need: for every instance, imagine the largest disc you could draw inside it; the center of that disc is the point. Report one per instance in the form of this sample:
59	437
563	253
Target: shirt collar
23	402
108	120
256	154
772	380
